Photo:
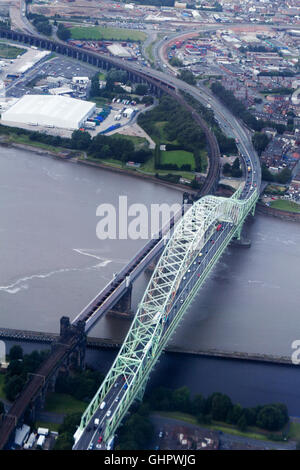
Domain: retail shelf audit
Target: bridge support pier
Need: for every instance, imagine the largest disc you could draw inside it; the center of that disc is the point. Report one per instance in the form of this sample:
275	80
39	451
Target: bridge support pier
122	309
239	232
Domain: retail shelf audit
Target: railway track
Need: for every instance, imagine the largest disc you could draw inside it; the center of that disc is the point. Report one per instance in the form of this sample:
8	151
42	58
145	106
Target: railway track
37	381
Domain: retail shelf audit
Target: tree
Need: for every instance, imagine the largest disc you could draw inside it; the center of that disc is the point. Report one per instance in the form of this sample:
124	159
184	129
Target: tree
266	174
236	170
242	423
198	404
121	149
70	423
220	406
81	140
227	169
83	385
114	76
13	387
137	432
181	399
44	27
16	352
251	415
64	441
271	417
141	89
15	367
161	399
234	414
2	409
33	361
95	87
176	62
147	100
194	184
63	33
284	176
187	76
260	142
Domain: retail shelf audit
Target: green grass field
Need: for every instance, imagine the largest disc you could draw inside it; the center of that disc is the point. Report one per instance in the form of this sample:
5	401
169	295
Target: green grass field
294	431
275	189
23	139
64	404
284	205
160	125
100	102
178	157
100	32
102	76
10	52
50	426
252	433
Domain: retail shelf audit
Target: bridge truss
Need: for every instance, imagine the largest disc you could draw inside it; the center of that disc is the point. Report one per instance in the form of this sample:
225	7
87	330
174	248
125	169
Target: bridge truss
151	328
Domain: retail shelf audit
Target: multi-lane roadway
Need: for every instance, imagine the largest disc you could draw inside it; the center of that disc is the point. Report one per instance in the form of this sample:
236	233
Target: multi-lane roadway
92	437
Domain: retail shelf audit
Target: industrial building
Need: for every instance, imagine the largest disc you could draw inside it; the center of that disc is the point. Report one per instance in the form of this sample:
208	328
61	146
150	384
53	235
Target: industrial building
118	50
49	111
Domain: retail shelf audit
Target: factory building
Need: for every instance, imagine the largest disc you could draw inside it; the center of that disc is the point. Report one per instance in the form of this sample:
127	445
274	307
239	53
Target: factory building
51	111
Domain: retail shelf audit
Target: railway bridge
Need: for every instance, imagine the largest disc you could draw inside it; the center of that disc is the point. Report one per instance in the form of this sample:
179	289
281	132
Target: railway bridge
198	242
66	351
187	260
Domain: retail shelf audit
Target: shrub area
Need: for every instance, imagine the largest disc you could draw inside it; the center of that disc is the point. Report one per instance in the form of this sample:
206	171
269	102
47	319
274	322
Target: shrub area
219	407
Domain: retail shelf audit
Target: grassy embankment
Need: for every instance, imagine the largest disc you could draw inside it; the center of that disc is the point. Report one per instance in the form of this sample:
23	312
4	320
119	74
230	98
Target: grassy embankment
10	52
63	403
24	140
284	205
294	431
178	157
138	142
251	433
99	33
149	52
50	426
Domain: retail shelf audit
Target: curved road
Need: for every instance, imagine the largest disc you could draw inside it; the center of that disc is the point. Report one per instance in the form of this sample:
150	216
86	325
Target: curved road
91	437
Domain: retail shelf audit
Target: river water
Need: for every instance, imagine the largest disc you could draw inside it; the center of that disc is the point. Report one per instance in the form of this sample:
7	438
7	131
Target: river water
52	263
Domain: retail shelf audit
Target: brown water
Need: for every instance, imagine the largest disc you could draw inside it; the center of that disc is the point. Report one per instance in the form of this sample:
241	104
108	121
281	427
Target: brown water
52	263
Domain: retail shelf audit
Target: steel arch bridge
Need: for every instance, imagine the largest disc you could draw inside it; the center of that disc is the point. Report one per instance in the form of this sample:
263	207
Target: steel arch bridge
169	295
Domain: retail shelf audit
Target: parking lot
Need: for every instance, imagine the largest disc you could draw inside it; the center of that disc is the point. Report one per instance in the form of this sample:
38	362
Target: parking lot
56	67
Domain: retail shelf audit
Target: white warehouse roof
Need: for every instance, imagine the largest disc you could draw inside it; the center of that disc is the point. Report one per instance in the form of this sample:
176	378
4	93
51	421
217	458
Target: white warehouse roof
45	110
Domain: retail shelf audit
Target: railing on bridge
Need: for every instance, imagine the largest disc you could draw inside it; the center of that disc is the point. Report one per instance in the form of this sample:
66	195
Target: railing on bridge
112	292
151	327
